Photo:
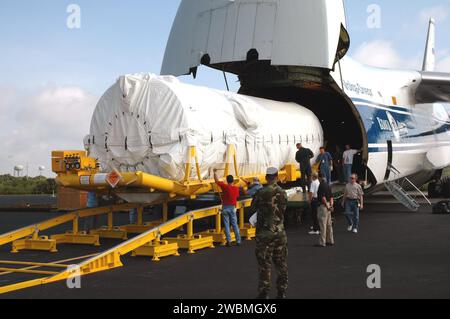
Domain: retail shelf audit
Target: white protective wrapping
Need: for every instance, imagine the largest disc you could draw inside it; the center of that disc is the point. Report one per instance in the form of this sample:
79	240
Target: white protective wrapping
146	123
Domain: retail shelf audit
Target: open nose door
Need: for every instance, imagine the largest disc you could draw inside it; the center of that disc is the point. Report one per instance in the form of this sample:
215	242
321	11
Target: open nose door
222	33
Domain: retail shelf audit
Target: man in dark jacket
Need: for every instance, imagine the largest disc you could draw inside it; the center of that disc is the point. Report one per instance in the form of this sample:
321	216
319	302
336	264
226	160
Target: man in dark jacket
303	157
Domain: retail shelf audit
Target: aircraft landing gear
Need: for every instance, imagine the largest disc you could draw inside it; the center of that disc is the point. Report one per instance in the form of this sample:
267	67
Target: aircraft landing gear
438	189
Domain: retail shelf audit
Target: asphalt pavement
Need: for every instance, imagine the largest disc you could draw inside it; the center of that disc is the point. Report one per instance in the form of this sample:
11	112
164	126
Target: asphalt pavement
411	249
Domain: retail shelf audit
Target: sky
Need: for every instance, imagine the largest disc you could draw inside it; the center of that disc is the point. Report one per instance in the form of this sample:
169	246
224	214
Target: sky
52	76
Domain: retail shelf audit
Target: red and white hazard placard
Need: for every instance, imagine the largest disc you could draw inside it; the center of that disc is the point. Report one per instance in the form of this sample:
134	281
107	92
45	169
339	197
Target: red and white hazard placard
113	178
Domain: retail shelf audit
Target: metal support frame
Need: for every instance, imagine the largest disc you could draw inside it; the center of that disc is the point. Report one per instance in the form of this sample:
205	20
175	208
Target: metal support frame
112	258
186	188
76	237
231	157
192	155
42	243
247	230
110	231
28	238
142	227
157	249
190	241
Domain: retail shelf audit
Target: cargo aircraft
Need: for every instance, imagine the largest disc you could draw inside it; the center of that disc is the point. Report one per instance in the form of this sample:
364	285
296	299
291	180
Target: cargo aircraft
296	51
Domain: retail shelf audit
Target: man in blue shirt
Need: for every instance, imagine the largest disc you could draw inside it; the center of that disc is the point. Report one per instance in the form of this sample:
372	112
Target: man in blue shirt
254	188
91	223
326	163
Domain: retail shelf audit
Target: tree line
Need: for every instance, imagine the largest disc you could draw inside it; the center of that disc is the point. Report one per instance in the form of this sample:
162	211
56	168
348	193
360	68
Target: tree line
10	185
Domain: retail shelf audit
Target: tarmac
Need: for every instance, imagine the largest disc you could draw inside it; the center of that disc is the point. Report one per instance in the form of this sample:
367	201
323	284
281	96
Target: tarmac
412	250
27	202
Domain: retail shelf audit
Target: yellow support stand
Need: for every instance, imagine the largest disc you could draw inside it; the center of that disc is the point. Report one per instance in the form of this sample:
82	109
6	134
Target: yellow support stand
110	231
231	157
190	241
32	243
165	212
141	227
157	249
218	237
140	212
192	155
80	238
247	231
76	237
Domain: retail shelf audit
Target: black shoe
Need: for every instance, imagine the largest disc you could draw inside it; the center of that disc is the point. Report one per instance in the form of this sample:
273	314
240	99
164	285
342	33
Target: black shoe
319	246
263	296
281	296
229	245
330	245
238	244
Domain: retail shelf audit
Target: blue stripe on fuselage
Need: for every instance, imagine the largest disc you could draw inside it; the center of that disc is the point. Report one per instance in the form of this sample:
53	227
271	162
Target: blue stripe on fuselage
398	124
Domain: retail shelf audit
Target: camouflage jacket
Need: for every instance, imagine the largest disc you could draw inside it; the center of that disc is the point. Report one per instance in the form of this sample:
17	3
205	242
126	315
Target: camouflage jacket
270	204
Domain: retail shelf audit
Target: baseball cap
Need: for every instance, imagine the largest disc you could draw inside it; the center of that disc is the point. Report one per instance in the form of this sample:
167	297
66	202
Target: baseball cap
272	171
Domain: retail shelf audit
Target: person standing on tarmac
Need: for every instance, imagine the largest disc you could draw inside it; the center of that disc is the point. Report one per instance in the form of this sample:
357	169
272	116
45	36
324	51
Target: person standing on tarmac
326	203
91	223
353	202
230	197
271	240
314	203
303	157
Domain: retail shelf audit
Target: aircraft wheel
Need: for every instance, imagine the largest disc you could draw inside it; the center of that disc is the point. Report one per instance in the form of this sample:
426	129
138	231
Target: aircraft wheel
446	187
434	190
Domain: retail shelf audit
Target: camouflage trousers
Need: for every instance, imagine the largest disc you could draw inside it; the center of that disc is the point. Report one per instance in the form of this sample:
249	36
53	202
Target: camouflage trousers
274	250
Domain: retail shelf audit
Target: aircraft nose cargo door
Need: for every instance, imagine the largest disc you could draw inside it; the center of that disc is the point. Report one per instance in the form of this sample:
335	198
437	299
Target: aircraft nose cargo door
223	33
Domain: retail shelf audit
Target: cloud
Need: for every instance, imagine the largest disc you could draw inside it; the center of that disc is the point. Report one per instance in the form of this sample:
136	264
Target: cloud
439	13
443	64
33	125
8	95
381	53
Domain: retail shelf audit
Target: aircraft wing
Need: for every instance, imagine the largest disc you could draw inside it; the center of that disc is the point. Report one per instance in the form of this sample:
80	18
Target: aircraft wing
434	87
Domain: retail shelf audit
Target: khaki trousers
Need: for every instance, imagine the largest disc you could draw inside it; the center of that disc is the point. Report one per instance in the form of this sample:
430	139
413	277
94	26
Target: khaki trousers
326	226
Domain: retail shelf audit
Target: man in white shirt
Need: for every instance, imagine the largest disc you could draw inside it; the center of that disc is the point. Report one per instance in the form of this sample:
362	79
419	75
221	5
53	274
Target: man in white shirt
313	189
353	202
347	162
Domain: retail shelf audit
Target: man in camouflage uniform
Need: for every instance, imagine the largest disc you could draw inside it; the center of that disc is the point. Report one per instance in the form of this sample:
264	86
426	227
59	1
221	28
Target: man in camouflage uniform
271	240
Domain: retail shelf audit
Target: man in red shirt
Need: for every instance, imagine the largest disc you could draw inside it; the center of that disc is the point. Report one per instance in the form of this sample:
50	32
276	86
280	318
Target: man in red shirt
230	195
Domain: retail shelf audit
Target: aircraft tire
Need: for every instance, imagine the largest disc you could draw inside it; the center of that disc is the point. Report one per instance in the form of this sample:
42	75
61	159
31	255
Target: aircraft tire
446	188
434	190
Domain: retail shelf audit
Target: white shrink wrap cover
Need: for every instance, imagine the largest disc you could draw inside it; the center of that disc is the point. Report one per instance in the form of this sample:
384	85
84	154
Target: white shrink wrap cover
147	123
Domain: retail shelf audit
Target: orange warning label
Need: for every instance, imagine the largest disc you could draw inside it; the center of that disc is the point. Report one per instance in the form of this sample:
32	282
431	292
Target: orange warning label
113	178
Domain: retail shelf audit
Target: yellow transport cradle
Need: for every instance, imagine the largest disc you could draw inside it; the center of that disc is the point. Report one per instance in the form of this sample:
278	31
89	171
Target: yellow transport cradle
76	170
